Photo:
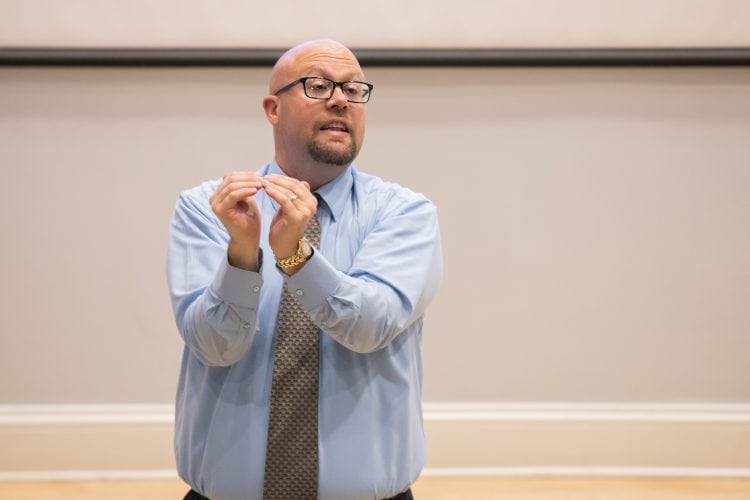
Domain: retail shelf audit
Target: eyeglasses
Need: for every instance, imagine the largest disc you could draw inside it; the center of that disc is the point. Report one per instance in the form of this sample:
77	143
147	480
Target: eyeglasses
323	88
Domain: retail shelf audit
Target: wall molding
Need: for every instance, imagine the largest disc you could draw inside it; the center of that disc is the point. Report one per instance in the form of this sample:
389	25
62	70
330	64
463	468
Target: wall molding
586	412
381	57
496	439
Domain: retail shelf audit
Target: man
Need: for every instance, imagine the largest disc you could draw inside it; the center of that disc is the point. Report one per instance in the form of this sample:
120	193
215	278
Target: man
239	261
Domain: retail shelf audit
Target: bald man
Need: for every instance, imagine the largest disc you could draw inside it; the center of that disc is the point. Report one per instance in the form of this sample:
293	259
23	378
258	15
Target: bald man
239	243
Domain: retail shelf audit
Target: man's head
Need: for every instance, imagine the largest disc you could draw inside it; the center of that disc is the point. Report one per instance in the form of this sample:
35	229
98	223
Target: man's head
316	133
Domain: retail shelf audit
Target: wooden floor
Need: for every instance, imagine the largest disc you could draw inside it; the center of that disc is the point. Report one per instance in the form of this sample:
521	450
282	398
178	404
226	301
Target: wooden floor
427	488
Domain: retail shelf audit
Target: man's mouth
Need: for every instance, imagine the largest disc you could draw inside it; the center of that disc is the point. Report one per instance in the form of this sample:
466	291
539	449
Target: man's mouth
335	126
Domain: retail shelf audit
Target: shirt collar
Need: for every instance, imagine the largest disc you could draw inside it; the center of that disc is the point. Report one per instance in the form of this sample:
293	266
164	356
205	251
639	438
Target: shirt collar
334	194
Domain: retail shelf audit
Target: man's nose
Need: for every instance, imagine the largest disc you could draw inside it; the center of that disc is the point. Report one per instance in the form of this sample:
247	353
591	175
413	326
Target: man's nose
338	98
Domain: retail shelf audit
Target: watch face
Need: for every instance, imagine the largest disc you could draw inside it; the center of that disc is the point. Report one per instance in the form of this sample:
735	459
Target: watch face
306	247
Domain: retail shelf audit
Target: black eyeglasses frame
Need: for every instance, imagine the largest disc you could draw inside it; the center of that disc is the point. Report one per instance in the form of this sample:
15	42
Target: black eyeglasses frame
340	85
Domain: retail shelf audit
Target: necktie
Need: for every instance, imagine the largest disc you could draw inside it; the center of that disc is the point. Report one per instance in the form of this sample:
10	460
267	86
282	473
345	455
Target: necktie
292	447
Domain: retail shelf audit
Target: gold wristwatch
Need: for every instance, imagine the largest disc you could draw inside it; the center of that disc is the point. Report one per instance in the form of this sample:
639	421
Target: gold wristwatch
304	252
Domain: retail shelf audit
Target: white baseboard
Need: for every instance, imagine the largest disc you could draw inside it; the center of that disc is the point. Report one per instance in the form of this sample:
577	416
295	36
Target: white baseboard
562	439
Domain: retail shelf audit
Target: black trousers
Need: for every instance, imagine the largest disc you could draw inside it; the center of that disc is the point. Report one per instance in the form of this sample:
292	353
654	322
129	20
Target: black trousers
194	495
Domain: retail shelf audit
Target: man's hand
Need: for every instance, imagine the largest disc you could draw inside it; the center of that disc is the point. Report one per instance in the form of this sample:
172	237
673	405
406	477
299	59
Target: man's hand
233	204
296	206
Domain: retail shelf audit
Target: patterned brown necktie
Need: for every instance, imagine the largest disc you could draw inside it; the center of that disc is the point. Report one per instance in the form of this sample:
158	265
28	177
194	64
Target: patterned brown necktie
292	447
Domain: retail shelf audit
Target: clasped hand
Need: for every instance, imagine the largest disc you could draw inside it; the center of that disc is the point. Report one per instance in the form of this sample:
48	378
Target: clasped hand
234	204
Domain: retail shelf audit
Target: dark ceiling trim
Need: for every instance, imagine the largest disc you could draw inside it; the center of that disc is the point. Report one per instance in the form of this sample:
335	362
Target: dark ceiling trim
373	57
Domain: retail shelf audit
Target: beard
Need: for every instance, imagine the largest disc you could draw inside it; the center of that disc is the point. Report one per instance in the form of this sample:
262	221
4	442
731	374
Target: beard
324	154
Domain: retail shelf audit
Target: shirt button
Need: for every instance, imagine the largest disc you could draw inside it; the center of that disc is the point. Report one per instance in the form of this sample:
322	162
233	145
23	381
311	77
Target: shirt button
299	292
246	325
256	289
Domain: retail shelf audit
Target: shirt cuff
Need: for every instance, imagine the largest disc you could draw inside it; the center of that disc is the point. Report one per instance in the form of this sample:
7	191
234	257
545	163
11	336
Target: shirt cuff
237	286
314	282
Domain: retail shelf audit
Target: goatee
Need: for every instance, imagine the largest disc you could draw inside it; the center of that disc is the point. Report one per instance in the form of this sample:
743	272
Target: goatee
329	156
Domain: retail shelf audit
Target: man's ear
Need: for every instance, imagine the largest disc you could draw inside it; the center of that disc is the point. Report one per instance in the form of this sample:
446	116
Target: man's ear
271	107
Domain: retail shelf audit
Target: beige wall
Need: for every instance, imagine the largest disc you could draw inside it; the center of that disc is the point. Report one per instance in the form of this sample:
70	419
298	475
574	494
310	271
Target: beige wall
593	319
596	225
477	23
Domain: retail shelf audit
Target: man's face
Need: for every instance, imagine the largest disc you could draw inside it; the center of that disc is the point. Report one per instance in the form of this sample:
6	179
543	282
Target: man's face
331	130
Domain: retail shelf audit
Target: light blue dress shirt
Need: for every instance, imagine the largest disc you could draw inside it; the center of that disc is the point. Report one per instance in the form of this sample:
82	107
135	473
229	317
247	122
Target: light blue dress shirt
366	288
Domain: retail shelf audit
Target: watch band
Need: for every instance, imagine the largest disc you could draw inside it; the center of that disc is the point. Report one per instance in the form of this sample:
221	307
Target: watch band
304	252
